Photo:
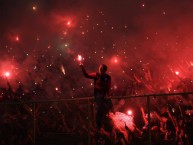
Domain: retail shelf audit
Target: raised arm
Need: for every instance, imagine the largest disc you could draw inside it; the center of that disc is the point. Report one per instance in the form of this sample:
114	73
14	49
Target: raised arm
143	116
171	117
90	76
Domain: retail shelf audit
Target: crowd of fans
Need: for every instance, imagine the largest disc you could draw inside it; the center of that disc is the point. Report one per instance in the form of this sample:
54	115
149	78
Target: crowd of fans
72	122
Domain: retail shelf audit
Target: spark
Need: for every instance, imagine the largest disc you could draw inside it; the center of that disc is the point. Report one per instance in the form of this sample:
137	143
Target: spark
115	60
7	74
17	38
66	45
173	110
129	112
62	69
177	73
34	8
79	58
69	23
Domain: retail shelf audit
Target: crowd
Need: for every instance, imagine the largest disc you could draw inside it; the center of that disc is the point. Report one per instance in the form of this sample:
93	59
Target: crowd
72	122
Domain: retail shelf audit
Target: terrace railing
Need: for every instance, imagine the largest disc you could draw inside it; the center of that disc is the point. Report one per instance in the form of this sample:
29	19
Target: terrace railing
50	121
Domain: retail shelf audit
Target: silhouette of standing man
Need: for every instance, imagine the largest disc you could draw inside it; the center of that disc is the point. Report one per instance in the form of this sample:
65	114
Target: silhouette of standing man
102	85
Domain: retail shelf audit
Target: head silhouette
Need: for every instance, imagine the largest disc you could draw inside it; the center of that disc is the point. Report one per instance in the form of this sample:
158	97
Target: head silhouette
102	69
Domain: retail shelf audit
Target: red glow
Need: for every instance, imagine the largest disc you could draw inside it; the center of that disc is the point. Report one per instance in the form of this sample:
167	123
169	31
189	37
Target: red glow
129	112
34	8
143	5
79	58
191	63
69	23
8	69
17	38
177	73
7	74
64	21
115	60
121	119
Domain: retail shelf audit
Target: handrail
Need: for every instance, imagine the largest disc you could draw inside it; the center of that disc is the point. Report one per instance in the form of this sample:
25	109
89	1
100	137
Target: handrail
91	98
148	96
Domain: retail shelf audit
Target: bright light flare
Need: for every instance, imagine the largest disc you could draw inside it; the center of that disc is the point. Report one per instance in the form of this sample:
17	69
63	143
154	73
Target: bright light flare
79	58
62	69
129	112
177	73
143	5
69	23
191	63
7	74
115	60
17	38
14	37
34	8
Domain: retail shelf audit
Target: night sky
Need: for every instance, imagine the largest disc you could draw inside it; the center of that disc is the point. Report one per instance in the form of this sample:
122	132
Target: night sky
146	44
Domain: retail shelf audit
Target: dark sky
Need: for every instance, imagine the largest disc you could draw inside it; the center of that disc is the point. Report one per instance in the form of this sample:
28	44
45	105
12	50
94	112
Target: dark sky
145	43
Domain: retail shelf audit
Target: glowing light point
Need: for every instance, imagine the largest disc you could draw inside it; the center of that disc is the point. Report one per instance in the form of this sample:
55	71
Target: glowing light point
79	58
69	23
177	73
66	45
115	60
7	74
173	110
62	69
34	8
17	38
56	89
129	112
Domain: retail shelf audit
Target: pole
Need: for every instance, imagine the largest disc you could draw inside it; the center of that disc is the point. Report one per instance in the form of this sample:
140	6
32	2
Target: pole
34	124
89	140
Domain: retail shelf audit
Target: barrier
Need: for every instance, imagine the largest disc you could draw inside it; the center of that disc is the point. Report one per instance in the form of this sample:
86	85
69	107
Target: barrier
35	109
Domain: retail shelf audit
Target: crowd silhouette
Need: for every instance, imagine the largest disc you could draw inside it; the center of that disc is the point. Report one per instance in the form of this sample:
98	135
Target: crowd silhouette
24	120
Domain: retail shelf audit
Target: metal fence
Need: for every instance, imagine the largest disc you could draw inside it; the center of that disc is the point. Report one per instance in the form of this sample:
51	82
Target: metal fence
58	122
